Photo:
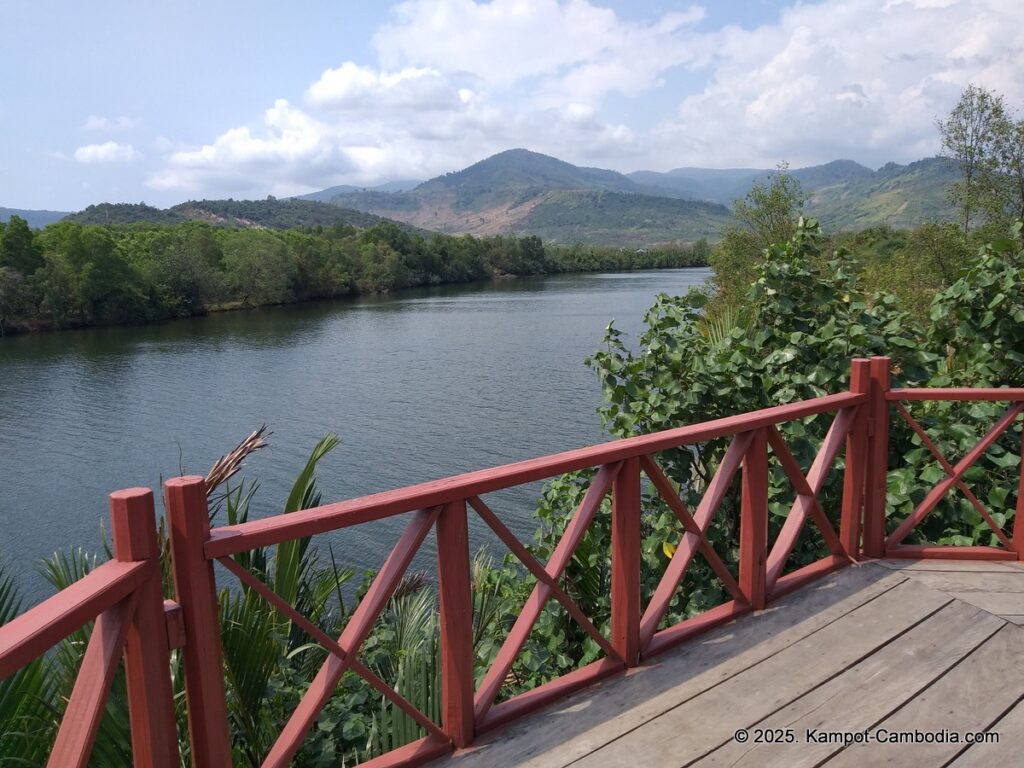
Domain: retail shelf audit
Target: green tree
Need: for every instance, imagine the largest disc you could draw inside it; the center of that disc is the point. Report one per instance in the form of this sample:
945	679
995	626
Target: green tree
18	249
258	267
970	136
768	214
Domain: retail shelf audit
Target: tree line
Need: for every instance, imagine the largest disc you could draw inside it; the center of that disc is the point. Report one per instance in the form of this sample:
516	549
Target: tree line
70	275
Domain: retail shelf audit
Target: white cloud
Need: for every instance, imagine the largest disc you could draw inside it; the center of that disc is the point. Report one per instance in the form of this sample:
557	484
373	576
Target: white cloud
351	86
108	124
457	80
848	78
108	152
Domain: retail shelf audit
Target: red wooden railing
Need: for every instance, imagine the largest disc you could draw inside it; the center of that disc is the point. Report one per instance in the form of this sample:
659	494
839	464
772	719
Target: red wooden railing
124	594
124	597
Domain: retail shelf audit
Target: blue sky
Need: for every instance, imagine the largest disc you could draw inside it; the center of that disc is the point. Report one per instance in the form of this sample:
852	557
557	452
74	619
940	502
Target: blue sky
162	102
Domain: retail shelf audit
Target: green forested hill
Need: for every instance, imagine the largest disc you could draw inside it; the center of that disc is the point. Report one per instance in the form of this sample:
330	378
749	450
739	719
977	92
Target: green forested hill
35	219
901	196
615	218
528	193
270	213
842	194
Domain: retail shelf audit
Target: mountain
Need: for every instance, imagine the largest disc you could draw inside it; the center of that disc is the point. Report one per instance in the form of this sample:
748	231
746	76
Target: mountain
269	214
35	219
842	194
901	196
529	193
325	195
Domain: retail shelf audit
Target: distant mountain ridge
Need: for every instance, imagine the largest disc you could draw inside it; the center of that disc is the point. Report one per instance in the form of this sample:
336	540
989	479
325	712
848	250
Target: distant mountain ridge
523	192
269	214
529	193
843	194
35	219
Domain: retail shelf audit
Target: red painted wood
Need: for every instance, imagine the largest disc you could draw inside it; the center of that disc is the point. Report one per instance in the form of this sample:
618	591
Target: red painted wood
456	618
414	754
230	540
331	646
808	488
147	660
1018	526
1002	394
677	634
877	469
668	494
175	625
352	637
754	521
625	631
942	488
680	562
542	695
535	568
934	552
38	629
196	592
803	576
855	472
948	468
574	531
81	721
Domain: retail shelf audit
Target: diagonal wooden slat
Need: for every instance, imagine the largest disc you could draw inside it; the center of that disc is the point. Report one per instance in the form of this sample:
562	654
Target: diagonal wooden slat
680	561
807	489
533	566
332	646
560	558
355	632
82	717
942	488
665	490
948	469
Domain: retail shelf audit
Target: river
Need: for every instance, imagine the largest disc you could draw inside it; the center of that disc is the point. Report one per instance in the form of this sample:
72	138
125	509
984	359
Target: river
418	385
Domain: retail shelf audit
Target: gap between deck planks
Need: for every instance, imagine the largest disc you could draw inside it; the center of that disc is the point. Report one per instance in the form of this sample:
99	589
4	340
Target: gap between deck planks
583	722
793	660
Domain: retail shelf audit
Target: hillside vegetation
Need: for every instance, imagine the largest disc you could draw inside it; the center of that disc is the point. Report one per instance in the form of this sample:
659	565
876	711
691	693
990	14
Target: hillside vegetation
270	213
842	194
528	193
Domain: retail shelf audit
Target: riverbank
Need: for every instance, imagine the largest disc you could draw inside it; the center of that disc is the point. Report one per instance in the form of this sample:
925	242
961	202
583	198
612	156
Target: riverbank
418	384
73	276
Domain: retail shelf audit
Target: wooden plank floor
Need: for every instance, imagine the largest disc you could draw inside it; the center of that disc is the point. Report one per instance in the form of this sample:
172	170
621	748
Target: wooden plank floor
930	651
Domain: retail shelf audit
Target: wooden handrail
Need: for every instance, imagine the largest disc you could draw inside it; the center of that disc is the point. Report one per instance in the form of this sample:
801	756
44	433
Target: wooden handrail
230	540
964	394
34	632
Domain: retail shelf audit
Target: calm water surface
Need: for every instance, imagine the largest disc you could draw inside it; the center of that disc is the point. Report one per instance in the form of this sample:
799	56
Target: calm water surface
418	386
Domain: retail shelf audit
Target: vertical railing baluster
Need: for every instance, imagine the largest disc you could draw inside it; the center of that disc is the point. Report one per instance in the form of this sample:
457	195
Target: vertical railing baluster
754	521
196	593
878	460
146	655
456	602
625	629
1018	526
856	461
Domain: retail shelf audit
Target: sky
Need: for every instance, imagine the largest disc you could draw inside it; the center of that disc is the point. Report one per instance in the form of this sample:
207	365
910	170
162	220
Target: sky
162	102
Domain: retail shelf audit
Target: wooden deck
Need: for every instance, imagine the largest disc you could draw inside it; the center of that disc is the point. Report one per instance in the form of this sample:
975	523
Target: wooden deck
879	648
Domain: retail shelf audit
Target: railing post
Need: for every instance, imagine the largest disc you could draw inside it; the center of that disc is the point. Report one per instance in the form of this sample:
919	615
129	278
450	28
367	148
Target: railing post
856	461
1018	526
754	521
625	638
196	591
147	660
878	460
453	586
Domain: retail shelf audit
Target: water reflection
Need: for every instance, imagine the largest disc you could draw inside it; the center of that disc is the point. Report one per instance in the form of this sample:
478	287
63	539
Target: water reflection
419	385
